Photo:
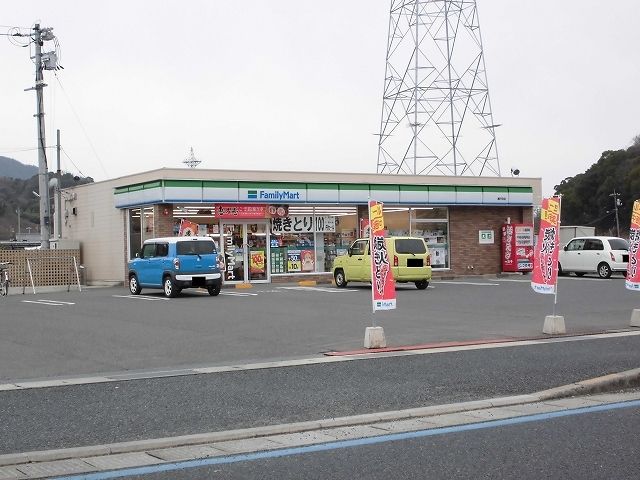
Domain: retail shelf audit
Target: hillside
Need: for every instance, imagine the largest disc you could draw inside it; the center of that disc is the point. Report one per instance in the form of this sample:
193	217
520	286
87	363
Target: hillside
14	169
17	193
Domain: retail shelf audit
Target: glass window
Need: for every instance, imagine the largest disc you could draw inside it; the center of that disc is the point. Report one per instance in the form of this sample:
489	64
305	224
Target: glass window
408	245
162	250
618	244
359	247
432	224
135	237
148	251
192	247
593	244
576	245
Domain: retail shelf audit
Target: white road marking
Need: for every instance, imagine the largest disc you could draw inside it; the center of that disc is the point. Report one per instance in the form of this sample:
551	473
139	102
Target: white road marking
44	301
239	294
320	289
439	282
139	297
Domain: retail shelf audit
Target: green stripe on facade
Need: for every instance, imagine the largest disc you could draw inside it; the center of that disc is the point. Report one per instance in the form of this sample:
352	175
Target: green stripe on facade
157	184
136	188
354	186
213	184
322	186
495	189
273	185
414	188
183	183
384	188
466	188
521	189
441	188
120	190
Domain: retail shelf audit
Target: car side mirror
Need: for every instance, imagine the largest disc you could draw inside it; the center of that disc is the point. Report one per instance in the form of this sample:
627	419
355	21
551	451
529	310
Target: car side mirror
565	248
137	255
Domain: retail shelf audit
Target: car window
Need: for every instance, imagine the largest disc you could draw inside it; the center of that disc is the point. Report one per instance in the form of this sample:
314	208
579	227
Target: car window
195	247
593	244
410	245
359	247
162	249
618	244
148	250
575	245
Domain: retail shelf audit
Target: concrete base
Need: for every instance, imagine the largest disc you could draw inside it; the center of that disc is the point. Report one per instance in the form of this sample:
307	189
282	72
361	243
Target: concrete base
635	318
554	325
374	337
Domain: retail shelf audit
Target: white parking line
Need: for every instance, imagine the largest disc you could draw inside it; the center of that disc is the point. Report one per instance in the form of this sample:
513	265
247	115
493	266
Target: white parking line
319	289
139	297
239	294
53	303
467	283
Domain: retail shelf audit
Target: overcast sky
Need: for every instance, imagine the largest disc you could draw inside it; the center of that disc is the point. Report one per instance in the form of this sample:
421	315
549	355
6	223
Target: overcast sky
297	85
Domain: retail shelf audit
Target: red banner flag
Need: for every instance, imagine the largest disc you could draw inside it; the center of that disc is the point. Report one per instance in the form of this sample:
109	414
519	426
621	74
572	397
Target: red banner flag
383	287
633	268
188	228
545	261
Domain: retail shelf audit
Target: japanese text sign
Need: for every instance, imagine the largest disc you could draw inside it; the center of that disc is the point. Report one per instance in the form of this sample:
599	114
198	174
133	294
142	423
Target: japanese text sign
303	224
633	268
545	259
383	286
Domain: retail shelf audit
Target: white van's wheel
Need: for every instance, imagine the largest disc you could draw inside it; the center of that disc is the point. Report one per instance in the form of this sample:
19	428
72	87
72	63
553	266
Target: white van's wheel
422	284
340	279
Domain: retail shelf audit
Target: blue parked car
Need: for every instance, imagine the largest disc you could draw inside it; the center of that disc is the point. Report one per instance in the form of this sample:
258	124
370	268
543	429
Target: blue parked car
174	263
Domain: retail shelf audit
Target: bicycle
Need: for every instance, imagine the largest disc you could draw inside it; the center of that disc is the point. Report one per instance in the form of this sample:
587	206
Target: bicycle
4	278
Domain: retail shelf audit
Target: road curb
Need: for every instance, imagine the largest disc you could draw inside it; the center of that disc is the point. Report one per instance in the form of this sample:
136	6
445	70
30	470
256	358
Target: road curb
626	379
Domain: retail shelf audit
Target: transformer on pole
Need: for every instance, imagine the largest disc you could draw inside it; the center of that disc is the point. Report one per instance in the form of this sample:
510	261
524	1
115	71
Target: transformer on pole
436	113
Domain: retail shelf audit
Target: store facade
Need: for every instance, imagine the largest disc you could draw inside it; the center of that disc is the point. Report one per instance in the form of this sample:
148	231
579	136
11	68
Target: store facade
275	226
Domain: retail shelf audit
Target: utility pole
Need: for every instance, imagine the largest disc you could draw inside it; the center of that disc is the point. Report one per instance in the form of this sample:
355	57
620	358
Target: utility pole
58	201
616	204
43	180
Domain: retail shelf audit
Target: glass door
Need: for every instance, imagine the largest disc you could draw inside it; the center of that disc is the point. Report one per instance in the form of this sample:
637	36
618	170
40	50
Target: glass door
246	251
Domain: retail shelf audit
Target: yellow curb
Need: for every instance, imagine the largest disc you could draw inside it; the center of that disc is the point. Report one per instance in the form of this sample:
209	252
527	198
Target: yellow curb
307	283
244	285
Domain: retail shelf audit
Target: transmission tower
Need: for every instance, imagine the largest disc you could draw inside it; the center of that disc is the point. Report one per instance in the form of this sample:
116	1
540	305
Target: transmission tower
192	161
436	113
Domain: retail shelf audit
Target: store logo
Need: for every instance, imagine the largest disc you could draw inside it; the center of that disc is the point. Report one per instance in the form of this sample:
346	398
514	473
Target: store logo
278	195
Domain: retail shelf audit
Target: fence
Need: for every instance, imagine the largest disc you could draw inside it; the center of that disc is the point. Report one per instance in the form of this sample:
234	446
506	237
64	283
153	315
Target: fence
42	268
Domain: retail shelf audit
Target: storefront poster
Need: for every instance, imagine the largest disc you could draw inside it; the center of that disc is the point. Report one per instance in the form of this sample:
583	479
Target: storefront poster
633	268
256	261
545	263
187	228
294	263
308	261
383	287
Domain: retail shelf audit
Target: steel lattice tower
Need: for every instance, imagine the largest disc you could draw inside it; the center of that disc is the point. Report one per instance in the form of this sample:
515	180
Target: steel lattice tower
436	113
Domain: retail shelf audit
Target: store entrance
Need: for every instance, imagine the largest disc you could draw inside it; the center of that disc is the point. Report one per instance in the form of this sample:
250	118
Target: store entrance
246	251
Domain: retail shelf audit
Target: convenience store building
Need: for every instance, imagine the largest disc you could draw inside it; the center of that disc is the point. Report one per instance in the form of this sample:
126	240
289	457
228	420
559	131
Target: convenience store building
283	226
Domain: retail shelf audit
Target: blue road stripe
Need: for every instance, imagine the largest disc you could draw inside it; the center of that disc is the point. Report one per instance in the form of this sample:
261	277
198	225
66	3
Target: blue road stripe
322	447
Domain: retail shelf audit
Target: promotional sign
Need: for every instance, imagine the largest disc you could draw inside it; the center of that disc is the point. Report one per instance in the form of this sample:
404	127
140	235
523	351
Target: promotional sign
188	228
307	258
633	268
383	287
294	263
256	261
227	211
300	223
517	247
545	260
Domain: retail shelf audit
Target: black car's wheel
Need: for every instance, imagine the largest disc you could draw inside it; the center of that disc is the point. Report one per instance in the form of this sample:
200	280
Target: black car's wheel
213	290
604	270
134	286
422	284
170	288
341	280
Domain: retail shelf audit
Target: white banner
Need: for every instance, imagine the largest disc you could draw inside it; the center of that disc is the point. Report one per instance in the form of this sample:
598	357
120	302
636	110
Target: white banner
303	224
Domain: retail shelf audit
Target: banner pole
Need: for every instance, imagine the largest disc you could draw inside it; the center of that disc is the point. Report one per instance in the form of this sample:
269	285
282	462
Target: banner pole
555	294
373	308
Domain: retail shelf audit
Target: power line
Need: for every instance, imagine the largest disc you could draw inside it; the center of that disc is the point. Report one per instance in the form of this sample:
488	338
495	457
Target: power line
81	126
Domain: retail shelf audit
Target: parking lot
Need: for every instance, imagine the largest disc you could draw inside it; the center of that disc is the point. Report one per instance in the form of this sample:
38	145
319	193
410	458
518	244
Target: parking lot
101	330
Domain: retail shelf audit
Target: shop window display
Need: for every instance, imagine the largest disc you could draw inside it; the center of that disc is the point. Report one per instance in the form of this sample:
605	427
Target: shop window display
432	224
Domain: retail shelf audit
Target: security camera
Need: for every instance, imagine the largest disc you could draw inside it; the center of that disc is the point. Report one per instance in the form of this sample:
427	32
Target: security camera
515	172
